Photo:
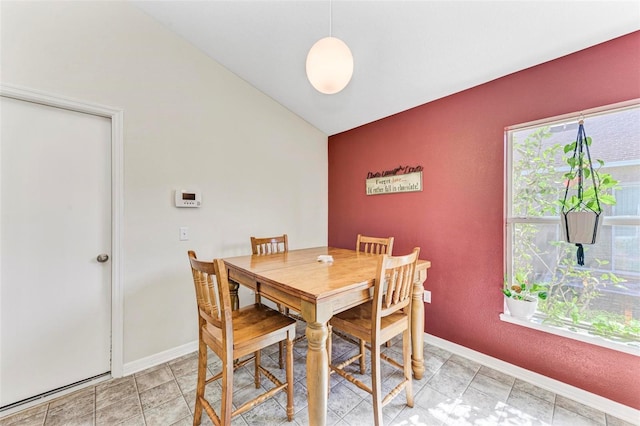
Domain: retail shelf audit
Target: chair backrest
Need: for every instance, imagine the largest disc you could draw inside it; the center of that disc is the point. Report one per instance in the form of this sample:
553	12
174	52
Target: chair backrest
374	245
394	284
210	278
270	245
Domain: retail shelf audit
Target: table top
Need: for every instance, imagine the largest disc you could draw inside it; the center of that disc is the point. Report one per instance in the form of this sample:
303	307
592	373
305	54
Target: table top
299	271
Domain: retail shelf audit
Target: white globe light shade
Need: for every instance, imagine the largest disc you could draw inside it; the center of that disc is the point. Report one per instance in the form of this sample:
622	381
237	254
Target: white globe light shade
329	65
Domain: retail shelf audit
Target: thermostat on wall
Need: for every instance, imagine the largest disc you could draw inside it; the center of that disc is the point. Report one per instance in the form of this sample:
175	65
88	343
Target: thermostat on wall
187	198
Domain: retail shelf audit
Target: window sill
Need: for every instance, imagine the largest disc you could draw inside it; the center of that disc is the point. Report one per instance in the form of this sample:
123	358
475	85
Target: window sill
536	324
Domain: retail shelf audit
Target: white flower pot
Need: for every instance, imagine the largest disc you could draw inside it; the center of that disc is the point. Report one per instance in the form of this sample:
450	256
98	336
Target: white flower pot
580	227
523	309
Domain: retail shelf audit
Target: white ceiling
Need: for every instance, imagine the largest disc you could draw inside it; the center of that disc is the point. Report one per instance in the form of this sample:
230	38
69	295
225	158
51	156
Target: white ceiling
406	53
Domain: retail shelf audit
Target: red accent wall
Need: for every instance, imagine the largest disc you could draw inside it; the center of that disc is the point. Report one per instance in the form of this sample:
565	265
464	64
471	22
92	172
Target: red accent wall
458	219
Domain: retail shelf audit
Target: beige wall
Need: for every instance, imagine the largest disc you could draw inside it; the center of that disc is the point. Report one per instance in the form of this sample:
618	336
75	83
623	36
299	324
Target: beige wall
188	122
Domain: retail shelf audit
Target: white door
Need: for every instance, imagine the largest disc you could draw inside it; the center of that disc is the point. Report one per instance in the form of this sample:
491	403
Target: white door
55	204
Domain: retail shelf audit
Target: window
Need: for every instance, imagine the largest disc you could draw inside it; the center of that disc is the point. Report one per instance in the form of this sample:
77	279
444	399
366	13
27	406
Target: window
602	297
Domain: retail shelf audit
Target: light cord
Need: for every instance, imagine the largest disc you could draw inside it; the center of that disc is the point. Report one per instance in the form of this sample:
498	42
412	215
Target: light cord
330	16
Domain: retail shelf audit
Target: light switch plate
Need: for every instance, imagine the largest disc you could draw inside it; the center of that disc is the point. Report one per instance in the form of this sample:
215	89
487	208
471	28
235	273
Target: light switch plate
426	296
184	233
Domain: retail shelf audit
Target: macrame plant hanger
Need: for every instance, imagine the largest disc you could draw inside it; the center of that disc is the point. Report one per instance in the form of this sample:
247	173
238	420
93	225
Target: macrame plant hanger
580	207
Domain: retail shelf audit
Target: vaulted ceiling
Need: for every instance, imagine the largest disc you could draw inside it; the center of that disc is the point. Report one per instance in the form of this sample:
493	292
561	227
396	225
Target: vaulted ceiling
406	53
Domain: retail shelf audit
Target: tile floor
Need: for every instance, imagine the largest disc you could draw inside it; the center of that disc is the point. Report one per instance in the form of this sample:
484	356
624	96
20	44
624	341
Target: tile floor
454	391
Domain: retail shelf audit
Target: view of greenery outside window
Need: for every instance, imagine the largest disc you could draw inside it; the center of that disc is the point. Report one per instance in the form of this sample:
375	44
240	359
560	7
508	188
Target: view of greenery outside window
603	296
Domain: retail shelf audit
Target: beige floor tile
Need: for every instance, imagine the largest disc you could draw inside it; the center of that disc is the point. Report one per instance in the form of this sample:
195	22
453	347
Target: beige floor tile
107	395
119	411
159	395
31	416
456	391
154	378
75	408
83	420
184	365
167	413
134	421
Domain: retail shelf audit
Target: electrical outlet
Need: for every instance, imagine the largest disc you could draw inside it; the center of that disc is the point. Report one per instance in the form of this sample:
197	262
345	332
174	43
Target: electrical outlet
184	233
426	296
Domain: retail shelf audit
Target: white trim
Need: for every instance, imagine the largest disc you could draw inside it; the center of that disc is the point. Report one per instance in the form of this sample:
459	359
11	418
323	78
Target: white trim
574	116
582	337
20	407
160	358
598	402
510	221
117	200
551	220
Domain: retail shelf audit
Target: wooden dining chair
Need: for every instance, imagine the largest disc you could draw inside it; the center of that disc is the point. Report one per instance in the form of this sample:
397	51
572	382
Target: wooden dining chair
260	246
267	246
270	245
233	335
386	316
374	245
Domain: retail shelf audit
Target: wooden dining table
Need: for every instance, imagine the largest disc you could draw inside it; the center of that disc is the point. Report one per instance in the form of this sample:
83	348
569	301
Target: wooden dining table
299	281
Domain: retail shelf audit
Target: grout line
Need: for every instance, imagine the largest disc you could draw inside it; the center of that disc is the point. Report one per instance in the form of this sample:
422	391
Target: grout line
175	380
469	385
553	409
135	385
95	405
46	414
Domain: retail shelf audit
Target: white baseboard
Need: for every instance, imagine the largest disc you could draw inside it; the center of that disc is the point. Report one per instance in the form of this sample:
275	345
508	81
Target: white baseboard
159	358
613	408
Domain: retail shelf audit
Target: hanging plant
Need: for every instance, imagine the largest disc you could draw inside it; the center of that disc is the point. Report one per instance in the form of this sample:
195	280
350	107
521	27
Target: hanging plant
585	193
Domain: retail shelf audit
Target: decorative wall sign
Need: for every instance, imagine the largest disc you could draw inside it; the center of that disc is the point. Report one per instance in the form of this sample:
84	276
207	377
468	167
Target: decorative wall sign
400	179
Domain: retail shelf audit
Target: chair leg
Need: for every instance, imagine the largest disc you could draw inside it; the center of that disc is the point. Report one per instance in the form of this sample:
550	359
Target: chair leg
329	342
363	357
281	348
289	378
202	377
376	383
281	352
406	350
329	351
233	294
256	371
226	408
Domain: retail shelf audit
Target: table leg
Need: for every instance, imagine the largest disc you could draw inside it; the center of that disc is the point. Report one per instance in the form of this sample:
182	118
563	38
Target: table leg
233	294
417	325
317	363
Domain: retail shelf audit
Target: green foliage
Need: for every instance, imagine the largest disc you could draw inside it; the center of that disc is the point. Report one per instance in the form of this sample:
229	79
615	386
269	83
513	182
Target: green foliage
521	290
585	189
536	192
606	324
567	298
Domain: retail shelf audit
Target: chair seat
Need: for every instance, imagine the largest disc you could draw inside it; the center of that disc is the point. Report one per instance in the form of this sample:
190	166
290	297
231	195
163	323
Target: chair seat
357	322
254	327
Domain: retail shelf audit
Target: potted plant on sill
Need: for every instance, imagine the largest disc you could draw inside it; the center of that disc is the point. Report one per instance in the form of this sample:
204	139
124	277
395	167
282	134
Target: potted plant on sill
522	297
584	195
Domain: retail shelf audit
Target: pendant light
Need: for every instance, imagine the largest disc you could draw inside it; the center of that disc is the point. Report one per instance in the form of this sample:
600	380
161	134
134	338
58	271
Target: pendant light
329	64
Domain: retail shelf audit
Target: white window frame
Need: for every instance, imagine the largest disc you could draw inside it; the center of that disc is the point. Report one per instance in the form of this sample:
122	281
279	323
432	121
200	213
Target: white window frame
510	222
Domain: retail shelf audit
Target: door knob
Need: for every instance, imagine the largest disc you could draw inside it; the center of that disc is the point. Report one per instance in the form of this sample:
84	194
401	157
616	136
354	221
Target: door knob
103	257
